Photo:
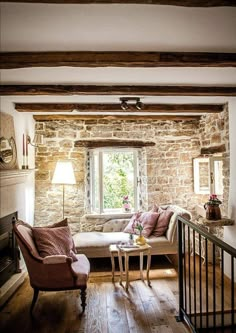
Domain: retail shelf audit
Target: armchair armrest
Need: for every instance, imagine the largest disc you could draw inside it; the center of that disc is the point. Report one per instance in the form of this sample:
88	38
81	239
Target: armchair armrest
56	259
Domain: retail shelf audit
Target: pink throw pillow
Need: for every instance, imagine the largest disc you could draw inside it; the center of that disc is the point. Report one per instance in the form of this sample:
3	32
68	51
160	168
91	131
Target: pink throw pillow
148	221
53	241
129	228
162	222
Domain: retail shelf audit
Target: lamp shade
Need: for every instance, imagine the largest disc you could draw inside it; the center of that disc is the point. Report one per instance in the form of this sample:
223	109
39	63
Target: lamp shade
38	139
64	173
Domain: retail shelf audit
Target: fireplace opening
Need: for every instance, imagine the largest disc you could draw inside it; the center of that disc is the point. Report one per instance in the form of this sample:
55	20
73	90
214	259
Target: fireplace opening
9	252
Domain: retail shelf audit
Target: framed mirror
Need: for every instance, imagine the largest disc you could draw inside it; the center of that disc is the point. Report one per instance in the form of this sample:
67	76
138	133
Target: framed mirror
8	155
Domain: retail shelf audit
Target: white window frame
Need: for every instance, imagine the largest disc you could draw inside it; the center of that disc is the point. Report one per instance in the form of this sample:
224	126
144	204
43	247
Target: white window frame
211	174
99	152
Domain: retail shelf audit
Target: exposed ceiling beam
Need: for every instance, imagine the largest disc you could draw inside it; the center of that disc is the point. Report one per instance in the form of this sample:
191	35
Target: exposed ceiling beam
142	90
53	117
159	108
185	3
9	60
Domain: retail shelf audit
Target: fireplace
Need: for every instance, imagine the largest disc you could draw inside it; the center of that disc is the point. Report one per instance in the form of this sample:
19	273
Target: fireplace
9	252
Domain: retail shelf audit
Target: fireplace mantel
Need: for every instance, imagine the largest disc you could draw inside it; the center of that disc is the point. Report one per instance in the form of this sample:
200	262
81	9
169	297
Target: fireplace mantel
14	176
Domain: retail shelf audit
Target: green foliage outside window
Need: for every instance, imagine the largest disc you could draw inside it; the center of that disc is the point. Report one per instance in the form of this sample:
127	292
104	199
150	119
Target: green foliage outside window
118	178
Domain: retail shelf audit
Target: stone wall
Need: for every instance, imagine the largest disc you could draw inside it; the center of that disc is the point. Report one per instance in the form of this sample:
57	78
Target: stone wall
168	164
169	176
214	131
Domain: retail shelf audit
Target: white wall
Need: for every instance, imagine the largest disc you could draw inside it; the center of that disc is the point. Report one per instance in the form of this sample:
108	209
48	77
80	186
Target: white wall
230	232
22	194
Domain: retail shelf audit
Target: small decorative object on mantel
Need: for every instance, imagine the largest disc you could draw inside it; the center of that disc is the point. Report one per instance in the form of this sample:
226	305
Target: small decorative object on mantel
212	208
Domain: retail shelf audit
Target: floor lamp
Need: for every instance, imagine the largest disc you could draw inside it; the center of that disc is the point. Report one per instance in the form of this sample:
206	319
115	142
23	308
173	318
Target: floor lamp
64	175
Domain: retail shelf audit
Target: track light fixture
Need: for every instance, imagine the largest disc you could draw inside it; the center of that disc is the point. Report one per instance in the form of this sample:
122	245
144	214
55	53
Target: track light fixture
124	103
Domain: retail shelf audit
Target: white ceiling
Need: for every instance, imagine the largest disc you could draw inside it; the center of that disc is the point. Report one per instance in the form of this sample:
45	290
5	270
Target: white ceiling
115	27
44	27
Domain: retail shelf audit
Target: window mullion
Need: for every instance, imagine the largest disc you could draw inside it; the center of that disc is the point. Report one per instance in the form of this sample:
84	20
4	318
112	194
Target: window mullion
101	206
92	201
136	183
212	176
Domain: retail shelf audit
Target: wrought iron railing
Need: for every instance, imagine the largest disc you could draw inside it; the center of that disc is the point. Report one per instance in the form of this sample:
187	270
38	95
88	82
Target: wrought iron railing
206	294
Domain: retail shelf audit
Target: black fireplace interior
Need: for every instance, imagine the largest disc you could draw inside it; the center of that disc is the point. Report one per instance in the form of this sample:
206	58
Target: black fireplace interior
9	253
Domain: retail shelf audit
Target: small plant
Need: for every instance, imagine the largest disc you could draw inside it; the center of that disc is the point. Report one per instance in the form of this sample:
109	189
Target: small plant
213	201
126	203
137	224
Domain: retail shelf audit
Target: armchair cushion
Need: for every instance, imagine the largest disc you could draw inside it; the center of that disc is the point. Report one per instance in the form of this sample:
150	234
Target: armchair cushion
63	223
54	241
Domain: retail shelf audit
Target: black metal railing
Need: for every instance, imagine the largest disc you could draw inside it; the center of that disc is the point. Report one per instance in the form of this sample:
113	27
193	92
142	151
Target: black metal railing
206	293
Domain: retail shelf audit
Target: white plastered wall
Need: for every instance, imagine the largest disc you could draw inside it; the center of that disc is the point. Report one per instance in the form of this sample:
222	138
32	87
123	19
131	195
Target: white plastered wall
20	196
230	231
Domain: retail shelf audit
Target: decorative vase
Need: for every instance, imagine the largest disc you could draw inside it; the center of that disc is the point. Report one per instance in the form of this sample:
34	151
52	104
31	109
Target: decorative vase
140	240
212	212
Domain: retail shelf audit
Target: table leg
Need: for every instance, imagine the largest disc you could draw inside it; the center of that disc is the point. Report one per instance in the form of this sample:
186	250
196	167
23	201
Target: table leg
112	266
120	266
141	265
126	271
148	266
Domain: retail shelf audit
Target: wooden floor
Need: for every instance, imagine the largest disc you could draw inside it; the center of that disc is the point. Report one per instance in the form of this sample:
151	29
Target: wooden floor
109	307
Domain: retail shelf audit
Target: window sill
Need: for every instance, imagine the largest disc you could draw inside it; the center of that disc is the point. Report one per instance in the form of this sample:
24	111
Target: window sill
109	216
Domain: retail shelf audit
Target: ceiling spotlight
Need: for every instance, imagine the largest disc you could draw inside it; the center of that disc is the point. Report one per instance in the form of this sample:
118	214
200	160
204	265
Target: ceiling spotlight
124	106
132	100
139	104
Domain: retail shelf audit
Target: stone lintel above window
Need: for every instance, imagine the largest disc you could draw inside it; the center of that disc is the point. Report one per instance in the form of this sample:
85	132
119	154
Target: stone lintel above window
97	143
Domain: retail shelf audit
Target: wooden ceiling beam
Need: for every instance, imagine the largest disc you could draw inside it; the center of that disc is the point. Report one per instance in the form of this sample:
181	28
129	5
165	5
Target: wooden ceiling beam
184	3
10	60
158	108
122	90
53	117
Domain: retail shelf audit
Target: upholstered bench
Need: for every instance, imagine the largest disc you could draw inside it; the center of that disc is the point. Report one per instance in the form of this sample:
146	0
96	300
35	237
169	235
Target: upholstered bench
95	244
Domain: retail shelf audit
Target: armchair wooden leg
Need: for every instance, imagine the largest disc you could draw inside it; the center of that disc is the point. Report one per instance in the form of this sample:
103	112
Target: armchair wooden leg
36	293
83	298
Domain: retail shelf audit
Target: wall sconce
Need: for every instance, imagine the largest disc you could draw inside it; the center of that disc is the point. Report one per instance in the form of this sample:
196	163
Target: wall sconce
37	140
124	103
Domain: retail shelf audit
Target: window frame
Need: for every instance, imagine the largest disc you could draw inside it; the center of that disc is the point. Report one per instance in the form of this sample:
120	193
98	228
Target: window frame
99	152
211	174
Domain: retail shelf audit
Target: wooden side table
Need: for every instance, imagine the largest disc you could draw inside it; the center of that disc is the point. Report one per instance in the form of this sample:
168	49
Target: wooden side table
127	252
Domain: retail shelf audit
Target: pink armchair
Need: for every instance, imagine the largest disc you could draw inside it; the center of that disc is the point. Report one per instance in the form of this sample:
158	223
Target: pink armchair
54	272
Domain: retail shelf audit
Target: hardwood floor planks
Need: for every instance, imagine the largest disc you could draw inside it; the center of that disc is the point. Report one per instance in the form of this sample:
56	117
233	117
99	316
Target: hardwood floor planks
137	318
110	309
116	314
97	308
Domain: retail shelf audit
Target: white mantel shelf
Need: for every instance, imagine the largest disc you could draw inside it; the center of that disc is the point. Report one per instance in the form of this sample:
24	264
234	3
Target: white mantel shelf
15	176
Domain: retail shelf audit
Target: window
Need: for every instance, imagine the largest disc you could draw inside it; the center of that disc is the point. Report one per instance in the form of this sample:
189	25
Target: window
208	175
113	176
